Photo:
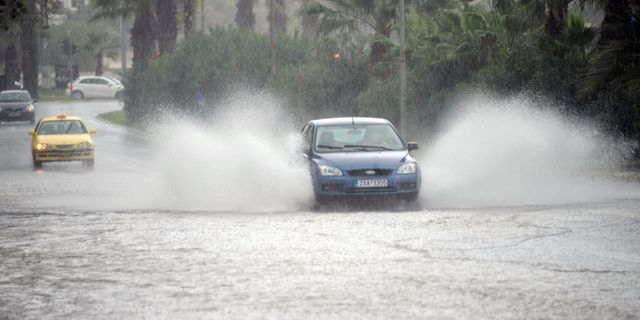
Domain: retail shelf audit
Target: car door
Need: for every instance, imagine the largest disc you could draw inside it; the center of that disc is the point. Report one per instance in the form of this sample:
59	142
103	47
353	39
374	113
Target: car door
104	88
86	87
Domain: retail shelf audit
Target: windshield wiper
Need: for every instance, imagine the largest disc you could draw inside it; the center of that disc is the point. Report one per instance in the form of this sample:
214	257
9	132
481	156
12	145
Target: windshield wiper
328	147
365	146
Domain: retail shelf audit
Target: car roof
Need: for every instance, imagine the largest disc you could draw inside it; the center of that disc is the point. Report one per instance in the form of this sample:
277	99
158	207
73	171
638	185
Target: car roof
93	77
57	117
348	120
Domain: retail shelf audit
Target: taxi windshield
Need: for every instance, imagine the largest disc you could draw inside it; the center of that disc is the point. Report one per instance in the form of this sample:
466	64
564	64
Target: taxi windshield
369	137
62	127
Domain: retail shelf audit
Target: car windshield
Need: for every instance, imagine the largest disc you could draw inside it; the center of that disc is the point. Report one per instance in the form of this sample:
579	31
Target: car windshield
367	137
62	127
15	97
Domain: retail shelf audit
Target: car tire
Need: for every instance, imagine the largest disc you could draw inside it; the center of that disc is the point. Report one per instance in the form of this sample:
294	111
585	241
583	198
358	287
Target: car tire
36	164
77	95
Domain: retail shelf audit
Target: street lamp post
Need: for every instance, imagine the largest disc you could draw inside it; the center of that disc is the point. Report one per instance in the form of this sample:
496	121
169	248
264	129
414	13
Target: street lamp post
403	70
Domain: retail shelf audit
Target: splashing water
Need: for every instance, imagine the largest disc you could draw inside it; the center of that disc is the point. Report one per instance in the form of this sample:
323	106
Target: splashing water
512	152
243	159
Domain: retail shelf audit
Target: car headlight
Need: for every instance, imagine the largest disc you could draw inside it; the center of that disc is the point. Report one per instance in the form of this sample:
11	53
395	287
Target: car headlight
329	171
42	146
30	108
407	168
84	145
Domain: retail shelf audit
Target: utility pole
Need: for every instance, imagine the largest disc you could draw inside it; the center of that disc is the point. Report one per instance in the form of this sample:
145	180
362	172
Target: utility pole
123	44
403	71
69	66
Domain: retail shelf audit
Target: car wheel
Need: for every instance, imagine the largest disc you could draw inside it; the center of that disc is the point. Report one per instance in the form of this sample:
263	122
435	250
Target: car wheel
77	95
36	164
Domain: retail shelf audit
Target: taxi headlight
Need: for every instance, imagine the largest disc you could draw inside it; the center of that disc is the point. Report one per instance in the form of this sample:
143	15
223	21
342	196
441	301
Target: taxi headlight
407	168
30	108
42	146
329	171
84	146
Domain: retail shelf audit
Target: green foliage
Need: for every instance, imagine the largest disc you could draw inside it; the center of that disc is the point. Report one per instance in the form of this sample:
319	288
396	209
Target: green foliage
213	65
318	89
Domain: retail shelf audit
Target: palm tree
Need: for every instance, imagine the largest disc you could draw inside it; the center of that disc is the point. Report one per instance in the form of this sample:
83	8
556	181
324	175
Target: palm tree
614	61
245	19
277	16
351	15
143	33
29	49
189	13
101	45
167	25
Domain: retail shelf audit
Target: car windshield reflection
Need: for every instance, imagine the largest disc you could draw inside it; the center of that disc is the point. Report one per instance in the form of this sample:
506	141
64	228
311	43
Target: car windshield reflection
361	137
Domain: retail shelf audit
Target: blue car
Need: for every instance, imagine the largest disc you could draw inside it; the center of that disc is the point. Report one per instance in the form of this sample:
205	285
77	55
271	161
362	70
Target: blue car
359	157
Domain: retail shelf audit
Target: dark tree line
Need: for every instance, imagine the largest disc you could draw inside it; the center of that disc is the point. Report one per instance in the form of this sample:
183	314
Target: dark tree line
22	23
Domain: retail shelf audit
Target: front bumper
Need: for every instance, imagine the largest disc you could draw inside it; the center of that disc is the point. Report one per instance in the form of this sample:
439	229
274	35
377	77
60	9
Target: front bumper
63	155
8	115
347	186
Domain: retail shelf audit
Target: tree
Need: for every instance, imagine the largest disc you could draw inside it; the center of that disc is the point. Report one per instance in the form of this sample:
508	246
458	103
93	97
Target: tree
277	16
245	18
100	45
350	15
143	33
29	48
556	18
189	13
614	61
11	11
167	25
11	63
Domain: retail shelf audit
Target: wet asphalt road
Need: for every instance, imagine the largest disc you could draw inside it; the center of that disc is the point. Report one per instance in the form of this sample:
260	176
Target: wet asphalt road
74	244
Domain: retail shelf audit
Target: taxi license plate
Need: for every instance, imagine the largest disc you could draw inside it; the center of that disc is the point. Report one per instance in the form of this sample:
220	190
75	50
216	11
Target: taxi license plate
371	183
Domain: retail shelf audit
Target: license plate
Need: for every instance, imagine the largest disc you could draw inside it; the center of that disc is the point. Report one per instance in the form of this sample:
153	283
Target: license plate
14	114
369	183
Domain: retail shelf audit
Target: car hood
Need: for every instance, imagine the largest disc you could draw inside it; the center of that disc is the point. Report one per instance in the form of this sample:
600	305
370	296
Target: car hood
64	138
364	160
14	104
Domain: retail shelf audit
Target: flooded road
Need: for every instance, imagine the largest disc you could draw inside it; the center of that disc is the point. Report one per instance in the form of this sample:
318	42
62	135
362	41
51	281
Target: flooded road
80	244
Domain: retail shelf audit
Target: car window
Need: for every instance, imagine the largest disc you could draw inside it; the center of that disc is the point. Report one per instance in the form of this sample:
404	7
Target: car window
13	96
100	82
86	81
62	127
371	137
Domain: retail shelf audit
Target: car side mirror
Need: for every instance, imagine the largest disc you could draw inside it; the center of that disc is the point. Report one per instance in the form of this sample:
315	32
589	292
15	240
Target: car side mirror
32	132
412	146
92	131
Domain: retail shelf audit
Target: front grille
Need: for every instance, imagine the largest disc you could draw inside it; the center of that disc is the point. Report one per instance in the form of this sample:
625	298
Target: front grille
332	187
64	154
13	109
371	190
367	172
64	147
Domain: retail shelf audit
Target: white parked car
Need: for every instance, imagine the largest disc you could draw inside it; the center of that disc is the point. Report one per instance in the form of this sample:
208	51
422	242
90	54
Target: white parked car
95	87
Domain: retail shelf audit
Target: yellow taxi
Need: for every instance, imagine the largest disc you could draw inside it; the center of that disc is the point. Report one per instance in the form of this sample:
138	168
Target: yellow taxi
61	138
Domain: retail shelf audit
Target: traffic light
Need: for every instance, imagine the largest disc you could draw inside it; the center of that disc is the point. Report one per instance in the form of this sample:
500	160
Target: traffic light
68	48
